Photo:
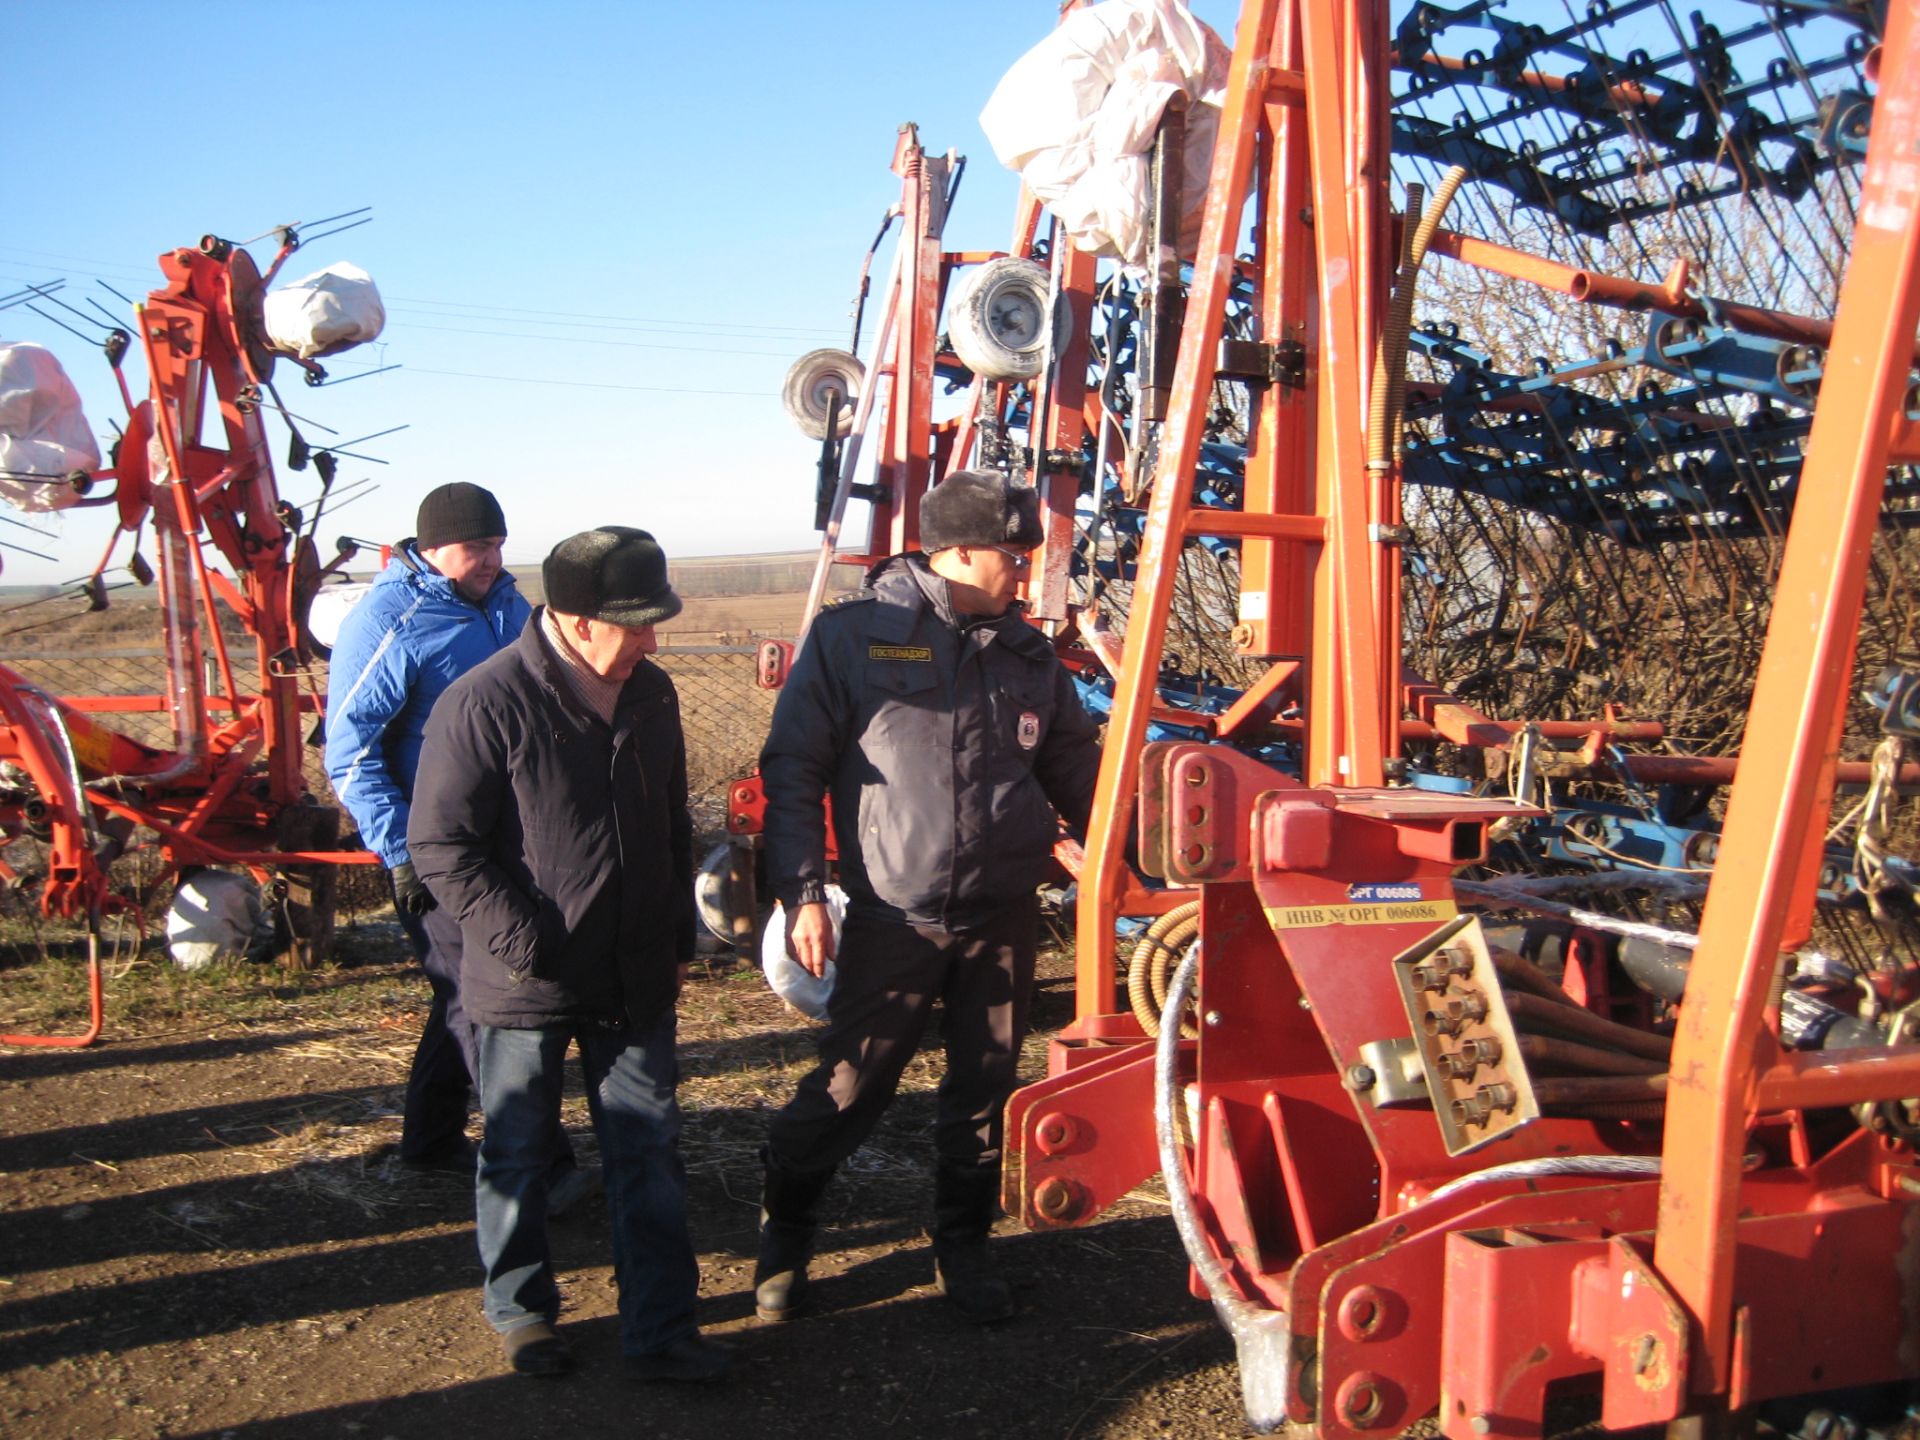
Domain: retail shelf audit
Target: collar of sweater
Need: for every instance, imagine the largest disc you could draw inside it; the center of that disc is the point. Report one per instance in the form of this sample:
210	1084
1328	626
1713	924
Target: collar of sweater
601	694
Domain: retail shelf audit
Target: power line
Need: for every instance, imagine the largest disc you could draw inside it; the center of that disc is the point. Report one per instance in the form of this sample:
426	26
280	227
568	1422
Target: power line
585	384
600	321
588	340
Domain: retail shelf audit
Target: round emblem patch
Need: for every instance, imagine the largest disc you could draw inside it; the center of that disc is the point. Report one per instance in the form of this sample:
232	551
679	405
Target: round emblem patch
1029	729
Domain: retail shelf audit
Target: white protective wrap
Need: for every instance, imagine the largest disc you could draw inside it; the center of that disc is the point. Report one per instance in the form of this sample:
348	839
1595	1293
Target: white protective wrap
1077	113
43	433
787	977
214	914
331	606
329	311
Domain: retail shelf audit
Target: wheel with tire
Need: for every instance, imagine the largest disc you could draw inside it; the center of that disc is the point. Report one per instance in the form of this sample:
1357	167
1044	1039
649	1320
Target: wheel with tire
812	381
997	319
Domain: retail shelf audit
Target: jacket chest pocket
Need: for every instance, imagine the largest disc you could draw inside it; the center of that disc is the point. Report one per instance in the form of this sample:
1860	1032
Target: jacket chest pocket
904	706
1022	713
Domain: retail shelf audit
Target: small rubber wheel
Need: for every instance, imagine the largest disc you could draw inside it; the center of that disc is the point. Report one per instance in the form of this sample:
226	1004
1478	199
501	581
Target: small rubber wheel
811	380
996	320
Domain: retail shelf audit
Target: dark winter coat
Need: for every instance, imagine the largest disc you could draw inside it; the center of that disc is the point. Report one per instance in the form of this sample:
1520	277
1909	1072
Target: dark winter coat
947	742
409	638
561	844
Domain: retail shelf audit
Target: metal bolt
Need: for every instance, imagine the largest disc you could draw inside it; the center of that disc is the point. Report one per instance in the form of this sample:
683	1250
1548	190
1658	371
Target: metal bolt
1214	1017
1360	1077
1645	1351
1482	1425
1054	1133
1056	1199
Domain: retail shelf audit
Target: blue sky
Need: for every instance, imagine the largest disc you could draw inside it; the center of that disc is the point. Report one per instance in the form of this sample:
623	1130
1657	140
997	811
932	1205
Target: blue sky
637	214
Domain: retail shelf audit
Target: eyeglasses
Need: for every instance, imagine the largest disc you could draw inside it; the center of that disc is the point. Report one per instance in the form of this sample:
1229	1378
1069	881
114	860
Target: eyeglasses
1021	562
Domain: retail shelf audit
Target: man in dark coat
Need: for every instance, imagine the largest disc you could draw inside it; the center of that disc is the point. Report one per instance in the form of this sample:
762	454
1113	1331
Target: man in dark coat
948	735
550	818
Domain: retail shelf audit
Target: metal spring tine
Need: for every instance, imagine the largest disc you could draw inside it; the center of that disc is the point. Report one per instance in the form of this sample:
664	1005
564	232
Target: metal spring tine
338	229
358	375
32	292
361	440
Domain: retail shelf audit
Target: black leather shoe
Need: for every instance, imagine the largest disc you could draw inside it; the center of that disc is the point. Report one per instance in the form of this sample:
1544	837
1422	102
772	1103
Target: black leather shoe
460	1159
780	1273
538	1349
972	1283
694	1360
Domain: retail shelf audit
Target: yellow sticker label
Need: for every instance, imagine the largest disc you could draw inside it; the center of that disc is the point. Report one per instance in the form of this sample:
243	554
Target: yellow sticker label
1308	917
93	748
899	652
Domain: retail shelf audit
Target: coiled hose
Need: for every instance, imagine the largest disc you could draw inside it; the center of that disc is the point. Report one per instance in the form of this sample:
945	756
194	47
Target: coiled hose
1151	965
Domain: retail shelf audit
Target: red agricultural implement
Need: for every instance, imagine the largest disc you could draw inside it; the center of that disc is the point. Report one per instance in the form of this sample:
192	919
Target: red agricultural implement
1490	1053
228	789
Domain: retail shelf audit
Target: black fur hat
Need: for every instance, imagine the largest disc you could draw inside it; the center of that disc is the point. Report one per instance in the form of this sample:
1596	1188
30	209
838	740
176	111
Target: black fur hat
974	507
616	573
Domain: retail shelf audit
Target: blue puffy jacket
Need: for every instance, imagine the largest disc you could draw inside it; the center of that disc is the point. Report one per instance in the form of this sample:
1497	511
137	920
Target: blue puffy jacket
399	648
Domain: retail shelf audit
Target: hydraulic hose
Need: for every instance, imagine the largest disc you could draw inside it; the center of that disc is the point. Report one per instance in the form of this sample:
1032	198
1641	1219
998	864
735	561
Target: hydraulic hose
1262	1340
1388	393
1570	1054
1530	1012
1153	958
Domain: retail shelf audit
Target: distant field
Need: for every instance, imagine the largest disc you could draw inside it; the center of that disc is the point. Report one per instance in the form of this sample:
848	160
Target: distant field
729	600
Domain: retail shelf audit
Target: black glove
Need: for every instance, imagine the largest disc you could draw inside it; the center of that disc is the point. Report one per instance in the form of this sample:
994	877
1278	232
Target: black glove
410	897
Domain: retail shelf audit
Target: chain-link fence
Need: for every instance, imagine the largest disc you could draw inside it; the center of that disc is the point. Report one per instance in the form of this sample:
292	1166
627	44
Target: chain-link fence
724	712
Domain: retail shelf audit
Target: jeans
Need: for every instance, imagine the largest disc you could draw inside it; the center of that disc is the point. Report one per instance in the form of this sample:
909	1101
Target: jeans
630	1077
438	1085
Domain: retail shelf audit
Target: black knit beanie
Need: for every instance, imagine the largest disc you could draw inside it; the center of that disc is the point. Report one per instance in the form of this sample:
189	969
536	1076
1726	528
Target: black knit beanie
974	507
458	512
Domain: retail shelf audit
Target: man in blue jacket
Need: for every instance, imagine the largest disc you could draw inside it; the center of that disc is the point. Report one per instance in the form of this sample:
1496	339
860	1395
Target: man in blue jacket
444	604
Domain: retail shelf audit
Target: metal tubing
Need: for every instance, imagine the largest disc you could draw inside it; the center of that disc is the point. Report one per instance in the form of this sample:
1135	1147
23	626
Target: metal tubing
1819	1081
1777	813
1593	287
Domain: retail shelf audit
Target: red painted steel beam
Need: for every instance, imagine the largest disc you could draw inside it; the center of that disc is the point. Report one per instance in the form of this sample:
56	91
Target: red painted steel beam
1763	886
1160	548
1345	736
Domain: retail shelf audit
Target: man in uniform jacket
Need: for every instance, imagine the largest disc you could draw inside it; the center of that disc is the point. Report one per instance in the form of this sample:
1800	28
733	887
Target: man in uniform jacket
550	818
948	735
443	604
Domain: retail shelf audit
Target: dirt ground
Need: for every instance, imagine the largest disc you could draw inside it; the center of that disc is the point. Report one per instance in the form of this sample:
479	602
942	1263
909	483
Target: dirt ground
203	1232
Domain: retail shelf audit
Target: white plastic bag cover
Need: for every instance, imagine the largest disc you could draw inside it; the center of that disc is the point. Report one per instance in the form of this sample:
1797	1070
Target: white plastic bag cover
1077	113
217	913
791	980
331	606
43	432
331	310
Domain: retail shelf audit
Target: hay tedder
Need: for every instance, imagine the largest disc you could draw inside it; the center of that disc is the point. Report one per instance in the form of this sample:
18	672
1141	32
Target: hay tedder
1481	507
227	789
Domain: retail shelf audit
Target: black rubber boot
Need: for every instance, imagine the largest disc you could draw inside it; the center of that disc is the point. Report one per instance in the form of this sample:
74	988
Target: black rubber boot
787	1224
966	1202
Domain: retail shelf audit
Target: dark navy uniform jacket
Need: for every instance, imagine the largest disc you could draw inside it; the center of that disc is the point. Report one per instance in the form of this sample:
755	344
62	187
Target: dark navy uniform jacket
948	743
